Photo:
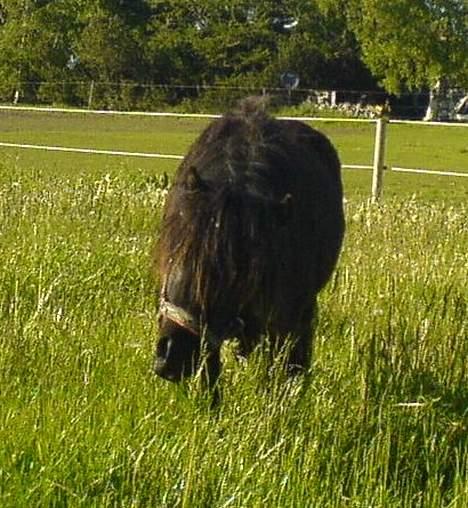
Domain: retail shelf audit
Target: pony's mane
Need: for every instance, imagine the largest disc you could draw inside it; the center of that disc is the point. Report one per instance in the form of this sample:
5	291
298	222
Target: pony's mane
223	216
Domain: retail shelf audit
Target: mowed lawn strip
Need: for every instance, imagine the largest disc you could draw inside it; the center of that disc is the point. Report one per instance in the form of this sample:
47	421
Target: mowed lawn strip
416	146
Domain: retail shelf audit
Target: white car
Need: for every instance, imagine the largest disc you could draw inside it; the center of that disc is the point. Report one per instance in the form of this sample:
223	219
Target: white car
461	110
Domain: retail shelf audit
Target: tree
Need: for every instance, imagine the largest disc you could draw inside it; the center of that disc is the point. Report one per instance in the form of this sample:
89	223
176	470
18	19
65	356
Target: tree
170	52
238	40
207	41
110	40
410	44
36	39
321	48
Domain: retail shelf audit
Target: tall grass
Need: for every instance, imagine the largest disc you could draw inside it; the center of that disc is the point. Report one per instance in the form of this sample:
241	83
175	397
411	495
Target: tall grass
380	421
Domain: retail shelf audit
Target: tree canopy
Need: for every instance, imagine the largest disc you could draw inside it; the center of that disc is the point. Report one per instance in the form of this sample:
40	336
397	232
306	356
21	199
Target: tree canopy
339	44
413	43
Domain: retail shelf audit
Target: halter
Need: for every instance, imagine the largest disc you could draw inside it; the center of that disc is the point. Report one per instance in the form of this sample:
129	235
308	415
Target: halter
191	324
179	316
185	320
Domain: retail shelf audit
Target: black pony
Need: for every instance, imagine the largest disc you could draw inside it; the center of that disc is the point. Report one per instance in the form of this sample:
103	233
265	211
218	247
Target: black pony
251	232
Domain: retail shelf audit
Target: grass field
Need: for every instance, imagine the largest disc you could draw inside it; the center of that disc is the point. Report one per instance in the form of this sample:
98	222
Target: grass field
382	421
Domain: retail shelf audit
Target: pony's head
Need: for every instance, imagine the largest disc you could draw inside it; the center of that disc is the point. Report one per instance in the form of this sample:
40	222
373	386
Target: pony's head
187	344
196	309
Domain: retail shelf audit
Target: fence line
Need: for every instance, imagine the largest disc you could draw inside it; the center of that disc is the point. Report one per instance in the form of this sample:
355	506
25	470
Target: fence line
107	112
327	119
423	122
125	154
180	157
379	143
427	171
357	166
213	116
172	114
93	151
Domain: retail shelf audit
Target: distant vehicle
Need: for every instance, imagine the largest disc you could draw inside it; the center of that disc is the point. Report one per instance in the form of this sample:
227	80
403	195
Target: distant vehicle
446	103
461	109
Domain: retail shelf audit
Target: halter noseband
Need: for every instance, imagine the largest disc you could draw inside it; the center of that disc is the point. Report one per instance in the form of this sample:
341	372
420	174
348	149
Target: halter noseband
185	320
188	322
179	316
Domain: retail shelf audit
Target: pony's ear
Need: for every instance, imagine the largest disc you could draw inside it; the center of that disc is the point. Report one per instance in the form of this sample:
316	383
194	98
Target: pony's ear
285	208
194	182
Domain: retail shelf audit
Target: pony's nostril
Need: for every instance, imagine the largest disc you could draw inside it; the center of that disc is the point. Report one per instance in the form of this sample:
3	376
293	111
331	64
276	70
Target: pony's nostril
163	347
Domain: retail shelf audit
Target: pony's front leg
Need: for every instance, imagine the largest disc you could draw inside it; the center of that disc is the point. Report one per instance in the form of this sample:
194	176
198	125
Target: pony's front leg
300	349
208	374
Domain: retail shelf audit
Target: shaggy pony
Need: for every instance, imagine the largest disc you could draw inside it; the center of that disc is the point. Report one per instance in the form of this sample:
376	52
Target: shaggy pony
251	232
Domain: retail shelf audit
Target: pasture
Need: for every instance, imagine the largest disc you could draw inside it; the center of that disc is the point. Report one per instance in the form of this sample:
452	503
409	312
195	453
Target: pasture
414	146
380	422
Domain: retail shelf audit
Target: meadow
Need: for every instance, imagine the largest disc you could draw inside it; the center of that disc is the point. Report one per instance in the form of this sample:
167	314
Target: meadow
380	421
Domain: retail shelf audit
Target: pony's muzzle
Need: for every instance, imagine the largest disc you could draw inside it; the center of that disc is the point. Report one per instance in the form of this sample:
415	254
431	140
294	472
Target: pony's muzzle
176	357
164	364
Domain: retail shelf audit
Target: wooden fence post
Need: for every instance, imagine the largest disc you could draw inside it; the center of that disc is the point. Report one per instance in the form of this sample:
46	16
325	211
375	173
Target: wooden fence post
91	94
379	157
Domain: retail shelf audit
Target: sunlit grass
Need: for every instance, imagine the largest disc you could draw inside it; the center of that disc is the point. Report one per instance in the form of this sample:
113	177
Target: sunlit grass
381	420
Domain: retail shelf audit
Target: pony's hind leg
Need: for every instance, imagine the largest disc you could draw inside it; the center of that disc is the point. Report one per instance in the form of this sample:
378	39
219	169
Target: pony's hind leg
299	355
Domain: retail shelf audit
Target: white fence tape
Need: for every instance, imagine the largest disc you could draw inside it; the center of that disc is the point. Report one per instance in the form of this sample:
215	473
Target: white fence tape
93	151
126	154
104	112
438	124
169	114
428	171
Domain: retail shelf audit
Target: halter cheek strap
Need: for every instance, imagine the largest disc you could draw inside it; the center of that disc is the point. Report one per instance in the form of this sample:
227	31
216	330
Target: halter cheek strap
176	314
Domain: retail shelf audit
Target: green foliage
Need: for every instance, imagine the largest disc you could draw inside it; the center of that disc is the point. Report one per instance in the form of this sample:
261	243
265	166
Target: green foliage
413	43
107	50
36	43
173	42
407	44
